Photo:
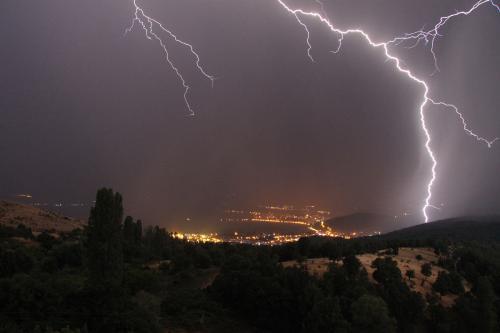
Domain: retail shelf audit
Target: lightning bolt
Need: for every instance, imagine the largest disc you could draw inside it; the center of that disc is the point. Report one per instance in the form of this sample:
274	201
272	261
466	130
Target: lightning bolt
325	15
148	24
429	36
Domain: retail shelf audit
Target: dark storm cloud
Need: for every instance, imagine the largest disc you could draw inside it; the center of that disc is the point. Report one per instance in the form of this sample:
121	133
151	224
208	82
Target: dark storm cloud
82	107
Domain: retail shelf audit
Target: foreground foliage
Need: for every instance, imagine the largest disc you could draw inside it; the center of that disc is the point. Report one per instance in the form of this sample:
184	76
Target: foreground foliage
116	277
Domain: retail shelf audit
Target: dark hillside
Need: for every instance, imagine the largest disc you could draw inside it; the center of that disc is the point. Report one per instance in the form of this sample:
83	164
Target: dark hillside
485	228
368	223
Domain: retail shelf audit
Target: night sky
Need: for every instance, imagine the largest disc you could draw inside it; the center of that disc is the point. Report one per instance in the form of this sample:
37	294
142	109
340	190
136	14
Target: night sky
82	106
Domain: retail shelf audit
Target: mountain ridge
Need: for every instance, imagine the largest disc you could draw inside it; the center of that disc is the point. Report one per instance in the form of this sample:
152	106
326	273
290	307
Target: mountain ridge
467	228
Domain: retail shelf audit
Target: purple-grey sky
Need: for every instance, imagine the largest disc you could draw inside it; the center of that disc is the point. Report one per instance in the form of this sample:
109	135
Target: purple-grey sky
82	106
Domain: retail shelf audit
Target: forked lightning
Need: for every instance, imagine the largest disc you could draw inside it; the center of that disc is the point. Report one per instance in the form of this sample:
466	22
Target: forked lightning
148	24
421	36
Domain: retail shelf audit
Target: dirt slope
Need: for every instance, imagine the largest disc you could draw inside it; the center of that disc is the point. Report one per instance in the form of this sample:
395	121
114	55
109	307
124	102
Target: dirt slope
13	214
406	260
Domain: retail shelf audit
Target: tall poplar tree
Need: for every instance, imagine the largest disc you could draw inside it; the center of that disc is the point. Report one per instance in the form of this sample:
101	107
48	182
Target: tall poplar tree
105	253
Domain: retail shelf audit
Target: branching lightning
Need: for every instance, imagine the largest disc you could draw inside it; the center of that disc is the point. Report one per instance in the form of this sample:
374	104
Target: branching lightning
325	15
418	36
429	37
147	24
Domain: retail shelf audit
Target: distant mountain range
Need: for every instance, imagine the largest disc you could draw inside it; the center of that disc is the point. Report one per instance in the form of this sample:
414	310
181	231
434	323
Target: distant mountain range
369	223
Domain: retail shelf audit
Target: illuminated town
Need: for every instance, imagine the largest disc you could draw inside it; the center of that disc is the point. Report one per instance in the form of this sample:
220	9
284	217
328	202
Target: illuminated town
286	214
311	218
261	239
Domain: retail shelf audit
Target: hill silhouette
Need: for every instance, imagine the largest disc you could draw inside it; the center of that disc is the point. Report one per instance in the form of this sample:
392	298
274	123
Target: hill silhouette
479	228
367	223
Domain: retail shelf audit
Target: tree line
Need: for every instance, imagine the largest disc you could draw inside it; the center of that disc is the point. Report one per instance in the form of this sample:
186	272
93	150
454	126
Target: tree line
118	276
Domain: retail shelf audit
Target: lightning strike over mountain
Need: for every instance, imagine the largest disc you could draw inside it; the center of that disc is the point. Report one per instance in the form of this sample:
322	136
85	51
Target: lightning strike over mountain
426	36
147	23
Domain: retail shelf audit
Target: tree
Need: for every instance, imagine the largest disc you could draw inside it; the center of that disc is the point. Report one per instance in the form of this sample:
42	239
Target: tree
129	230
386	271
441	247
132	231
448	283
132	236
105	256
410	274
407	306
426	270
370	314
14	261
486	298
23	231
352	265
325	316
46	240
138	231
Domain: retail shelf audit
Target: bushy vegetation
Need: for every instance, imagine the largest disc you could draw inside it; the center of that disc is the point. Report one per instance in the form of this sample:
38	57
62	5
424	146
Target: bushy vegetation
117	276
